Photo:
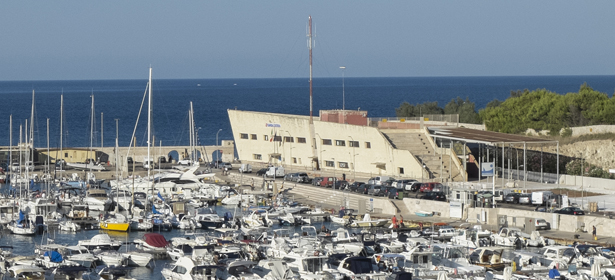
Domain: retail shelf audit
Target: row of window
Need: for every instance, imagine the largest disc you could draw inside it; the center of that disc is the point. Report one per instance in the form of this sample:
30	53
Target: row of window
330	163
342	143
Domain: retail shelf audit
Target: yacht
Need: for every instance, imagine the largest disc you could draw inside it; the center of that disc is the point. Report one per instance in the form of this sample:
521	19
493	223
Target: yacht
100	241
208	218
186	269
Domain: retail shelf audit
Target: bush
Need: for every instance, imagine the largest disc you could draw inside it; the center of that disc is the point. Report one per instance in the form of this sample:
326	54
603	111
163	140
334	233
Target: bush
567	132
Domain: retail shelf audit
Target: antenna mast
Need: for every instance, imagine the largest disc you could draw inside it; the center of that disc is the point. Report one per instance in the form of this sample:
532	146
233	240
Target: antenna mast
310	45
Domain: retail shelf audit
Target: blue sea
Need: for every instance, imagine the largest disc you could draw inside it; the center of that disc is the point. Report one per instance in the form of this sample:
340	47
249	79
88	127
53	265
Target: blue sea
121	99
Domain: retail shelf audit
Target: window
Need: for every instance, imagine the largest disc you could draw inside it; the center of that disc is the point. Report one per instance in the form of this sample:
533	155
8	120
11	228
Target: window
244	136
253	136
257	156
340	143
289	139
354	144
401	170
65	155
294	160
342	164
329	163
266	137
277	138
300	140
326	141
368	145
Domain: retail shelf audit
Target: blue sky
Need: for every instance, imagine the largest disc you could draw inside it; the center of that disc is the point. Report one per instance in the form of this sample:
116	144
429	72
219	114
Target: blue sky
65	40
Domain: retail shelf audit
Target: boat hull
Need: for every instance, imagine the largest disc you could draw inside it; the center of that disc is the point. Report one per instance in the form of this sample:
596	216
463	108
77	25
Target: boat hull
115	226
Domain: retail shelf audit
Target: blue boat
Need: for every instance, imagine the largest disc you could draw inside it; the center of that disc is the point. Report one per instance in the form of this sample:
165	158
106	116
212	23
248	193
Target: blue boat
424	214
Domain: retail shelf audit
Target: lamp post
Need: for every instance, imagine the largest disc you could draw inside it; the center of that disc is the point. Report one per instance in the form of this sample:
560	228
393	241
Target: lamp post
354	156
343	89
291	151
320	157
334	178
218	151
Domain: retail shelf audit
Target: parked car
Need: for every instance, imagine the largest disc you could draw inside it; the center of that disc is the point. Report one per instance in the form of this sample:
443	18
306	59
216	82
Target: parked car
261	171
541	224
389	182
388	190
525	198
414	187
512	198
376	190
355	186
226	165
316	181
428	187
291	177
570	211
364	189
327	182
302	177
340	185
401	184
245	168
378	180
438	196
395	194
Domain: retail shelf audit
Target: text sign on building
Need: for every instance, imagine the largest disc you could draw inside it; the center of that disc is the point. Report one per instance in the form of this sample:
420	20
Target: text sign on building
486	169
273	125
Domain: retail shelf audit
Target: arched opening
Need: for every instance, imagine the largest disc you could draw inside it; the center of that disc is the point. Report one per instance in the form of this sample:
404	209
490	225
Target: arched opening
216	157
173	156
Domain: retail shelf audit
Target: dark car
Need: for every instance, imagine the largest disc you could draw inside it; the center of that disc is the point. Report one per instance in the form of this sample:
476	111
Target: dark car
415	187
389	182
388	190
355	186
401	184
376	190
364	189
340	185
261	171
428	187
570	211
512	198
316	181
303	177
395	194
438	196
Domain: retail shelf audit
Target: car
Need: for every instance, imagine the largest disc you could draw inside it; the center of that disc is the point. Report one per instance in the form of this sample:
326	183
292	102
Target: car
355	186
213	164
394	194
226	165
388	190
525	198
340	185
302	177
389	182
376	190
245	168
316	181
162	159
570	211
428	187
541	224
414	187
364	189
438	196
327	182
402	183
290	177
261	171
512	198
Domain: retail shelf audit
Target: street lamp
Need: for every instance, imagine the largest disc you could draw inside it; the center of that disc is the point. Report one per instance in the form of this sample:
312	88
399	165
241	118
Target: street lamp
335	179
320	145
354	156
218	153
343	89
291	151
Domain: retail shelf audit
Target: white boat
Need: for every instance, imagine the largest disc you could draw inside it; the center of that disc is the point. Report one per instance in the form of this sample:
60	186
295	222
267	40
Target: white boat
80	255
152	243
238	270
186	269
208	218
368	222
22	226
235	199
112	258
100	241
139	259
69	226
22	272
89	165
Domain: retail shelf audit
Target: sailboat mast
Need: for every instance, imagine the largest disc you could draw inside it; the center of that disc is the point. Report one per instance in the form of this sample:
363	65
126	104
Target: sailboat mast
149	124
91	135
48	156
20	163
61	123
31	134
192	142
310	44
11	146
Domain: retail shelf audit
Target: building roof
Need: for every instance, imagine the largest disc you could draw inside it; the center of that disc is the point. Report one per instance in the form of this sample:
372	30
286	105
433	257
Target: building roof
482	136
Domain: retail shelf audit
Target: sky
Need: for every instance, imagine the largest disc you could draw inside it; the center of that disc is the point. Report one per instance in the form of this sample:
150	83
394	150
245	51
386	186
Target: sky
113	39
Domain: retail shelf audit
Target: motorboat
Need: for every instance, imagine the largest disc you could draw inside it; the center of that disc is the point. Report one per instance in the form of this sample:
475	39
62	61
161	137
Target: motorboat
69	226
138	259
112	258
367	221
22	226
359	267
514	237
152	243
22	272
80	255
100	241
116	222
186	269
275	269
238	270
454	257
489	258
141	224
208	218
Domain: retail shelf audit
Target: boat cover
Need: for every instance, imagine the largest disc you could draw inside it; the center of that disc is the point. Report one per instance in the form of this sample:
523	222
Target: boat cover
54	256
20	220
154	210
155	240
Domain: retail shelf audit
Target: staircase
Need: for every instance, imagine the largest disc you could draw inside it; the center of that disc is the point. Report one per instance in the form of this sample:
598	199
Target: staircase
418	145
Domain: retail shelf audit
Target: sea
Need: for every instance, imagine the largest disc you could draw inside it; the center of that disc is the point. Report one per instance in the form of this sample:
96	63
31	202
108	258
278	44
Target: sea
120	102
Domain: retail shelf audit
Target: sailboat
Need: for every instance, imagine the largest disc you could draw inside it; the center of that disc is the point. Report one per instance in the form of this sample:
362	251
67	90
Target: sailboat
90	163
23	225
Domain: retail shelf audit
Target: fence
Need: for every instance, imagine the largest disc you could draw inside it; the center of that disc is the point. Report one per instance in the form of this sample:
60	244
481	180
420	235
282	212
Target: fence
448	118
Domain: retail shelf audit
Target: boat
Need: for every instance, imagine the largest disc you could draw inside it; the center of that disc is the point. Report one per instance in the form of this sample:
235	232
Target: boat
368	222
186	269
80	255
116	223
100	241
69	226
152	243
138	259
208	218
22	226
489	258
23	272
424	214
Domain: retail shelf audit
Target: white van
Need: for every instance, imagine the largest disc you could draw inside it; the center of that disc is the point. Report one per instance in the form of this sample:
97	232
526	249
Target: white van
275	171
245	168
540	198
378	180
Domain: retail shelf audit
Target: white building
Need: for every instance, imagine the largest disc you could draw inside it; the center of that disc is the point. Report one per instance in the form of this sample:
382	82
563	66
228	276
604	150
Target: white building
282	139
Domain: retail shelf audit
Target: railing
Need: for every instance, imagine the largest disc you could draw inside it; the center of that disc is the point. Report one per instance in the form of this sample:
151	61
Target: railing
453	118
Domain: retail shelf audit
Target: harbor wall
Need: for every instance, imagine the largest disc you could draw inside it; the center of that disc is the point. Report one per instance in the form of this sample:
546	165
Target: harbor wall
416	205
